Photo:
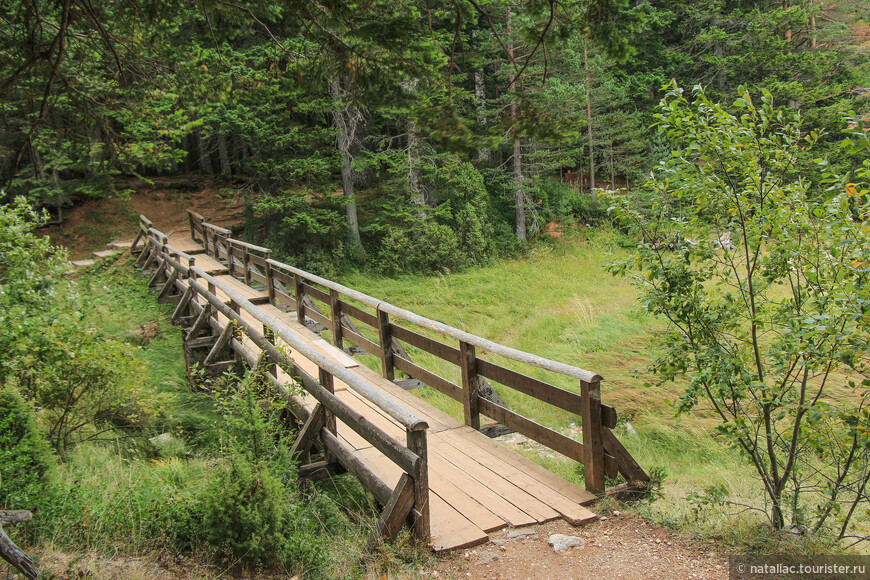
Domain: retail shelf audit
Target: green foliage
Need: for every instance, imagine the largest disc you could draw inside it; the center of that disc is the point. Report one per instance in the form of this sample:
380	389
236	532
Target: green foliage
244	510
765	297
26	460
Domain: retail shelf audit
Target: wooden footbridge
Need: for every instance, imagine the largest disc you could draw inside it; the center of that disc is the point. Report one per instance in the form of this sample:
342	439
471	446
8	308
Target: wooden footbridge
451	483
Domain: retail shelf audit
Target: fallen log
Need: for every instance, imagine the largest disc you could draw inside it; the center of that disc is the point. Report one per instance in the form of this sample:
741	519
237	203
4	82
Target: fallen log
9	551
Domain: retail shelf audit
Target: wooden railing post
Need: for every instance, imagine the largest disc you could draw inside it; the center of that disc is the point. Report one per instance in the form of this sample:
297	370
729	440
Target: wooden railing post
386	338
329	422
246	260
270	281
231	266
300	295
192	229
418	444
468	361
593	442
335	307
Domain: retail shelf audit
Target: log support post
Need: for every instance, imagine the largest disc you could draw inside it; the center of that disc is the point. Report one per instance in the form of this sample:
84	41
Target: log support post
593	441
420	521
12	553
270	281
335	307
246	260
470	395
386	339
300	295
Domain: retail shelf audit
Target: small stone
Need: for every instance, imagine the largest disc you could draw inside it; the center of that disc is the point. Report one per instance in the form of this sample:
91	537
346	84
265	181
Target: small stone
499	542
617	513
562	543
487	557
603	518
522	535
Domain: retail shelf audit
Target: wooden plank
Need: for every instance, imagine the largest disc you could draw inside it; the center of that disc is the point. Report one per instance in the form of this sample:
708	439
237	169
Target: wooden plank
547	486
362	342
527	385
210	265
543	435
449	529
338	356
438	420
431	346
486	496
593	444
361	315
486	483
626	463
246	291
450	389
318	317
316	293
395	512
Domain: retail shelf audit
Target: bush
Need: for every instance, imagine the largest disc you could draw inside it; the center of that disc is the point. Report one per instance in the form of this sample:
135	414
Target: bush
26	460
244	510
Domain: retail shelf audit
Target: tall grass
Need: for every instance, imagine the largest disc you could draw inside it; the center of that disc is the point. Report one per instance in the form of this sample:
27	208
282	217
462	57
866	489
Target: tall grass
559	302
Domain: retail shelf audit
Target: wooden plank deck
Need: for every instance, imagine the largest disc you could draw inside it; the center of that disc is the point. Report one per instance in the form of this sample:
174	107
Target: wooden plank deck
476	485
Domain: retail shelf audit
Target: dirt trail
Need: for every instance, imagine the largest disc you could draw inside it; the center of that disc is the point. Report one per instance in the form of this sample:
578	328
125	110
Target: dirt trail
89	225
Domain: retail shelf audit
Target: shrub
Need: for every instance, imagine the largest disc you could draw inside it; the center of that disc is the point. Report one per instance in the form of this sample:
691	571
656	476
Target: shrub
26	460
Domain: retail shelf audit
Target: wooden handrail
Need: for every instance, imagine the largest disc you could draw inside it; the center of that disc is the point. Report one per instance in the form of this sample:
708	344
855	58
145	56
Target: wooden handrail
441	328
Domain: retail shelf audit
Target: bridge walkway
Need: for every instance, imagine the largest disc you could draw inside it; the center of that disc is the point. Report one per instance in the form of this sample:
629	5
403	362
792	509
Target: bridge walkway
476	485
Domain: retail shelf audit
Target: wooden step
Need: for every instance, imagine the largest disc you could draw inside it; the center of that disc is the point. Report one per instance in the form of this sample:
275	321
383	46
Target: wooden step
104	254
82	263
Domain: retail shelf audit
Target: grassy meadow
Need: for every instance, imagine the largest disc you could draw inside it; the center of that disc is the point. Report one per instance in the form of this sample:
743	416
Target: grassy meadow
560	303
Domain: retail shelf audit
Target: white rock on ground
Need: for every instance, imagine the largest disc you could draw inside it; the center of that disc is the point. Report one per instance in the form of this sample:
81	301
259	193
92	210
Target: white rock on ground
562	543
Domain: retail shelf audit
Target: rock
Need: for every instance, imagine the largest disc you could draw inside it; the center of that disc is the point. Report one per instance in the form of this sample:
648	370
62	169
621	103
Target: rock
487	557
161	442
499	542
629	428
617	513
522	535
143	334
562	543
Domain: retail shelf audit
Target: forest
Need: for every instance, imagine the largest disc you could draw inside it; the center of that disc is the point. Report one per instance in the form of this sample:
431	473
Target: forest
673	194
359	129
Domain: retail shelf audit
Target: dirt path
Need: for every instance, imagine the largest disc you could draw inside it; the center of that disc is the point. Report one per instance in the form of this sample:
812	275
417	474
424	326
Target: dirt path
617	546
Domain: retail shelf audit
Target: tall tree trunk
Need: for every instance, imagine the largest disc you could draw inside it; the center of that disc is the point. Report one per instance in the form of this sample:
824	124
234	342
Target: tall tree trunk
718	52
346	120
187	145
589	122
202	152
519	193
480	97
224	154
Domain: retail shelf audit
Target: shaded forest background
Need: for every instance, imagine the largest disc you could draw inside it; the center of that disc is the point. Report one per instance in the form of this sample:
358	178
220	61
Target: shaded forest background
406	136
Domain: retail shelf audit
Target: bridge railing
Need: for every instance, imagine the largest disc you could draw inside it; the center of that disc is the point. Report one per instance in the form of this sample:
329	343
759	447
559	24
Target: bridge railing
340	310
198	292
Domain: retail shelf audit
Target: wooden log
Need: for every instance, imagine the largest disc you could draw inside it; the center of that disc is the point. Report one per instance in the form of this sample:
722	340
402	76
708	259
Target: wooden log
362	342
626	464
165	293
182	304
9	551
417	442
436	382
395	513
394	450
320	470
220	344
200	322
353	464
309	432
386	339
470	397
299	297
593	443
335	311
439	349
270	280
